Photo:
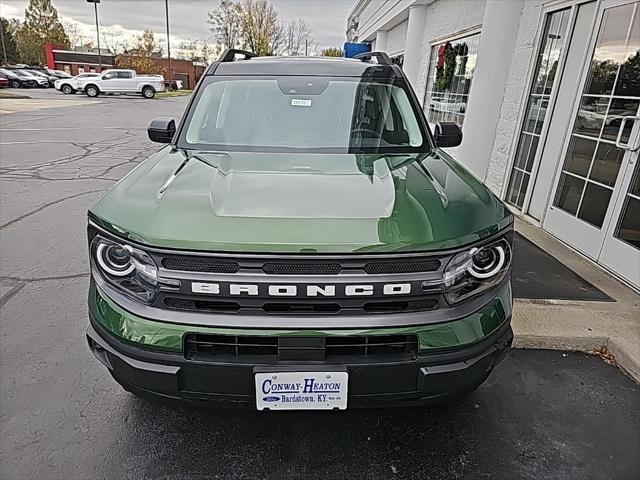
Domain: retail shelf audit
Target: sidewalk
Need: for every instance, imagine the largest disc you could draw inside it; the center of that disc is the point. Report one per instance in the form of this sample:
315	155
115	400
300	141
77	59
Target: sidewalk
605	327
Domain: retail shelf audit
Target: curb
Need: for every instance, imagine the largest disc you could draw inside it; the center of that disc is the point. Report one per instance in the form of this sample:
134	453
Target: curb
592	345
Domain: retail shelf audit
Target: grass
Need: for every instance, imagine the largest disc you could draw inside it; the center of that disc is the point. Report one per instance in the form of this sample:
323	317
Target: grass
173	93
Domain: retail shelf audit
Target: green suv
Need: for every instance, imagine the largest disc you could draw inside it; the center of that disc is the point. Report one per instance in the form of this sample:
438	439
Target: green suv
301	242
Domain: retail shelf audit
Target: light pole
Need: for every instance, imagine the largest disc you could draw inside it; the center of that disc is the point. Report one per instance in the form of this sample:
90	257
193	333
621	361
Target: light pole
95	6
166	9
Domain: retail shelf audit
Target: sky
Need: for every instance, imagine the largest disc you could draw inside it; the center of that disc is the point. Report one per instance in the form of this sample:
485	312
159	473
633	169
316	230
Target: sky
326	18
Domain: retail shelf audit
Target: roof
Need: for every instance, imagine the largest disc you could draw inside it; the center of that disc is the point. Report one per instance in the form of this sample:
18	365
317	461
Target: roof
312	66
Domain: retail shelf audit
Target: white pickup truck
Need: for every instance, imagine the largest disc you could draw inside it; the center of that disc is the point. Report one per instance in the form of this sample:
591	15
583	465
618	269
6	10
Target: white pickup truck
124	81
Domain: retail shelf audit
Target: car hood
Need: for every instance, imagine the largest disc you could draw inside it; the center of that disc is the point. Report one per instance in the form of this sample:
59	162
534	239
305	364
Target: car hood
286	202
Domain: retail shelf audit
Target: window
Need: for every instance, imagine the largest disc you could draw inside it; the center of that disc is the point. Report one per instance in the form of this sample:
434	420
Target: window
544	76
110	75
305	113
451	70
125	75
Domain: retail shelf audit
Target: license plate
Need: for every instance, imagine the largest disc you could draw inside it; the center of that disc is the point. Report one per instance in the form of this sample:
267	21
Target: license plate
301	390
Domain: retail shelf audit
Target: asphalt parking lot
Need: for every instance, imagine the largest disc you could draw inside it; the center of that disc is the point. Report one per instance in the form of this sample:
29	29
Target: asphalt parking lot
542	414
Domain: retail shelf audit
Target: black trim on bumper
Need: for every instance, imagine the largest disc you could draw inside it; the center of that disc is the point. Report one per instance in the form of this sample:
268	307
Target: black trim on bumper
431	377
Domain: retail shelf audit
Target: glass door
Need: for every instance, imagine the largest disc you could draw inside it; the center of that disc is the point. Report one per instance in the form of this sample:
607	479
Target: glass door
621	249
588	204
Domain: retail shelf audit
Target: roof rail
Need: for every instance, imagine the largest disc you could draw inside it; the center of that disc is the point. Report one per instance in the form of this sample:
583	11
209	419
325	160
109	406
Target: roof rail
229	55
383	58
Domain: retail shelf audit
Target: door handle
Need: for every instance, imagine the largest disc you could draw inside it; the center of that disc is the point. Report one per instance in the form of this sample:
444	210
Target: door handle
626	146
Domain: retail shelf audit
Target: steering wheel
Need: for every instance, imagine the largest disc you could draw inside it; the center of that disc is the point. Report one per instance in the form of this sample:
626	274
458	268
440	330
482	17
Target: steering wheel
362	130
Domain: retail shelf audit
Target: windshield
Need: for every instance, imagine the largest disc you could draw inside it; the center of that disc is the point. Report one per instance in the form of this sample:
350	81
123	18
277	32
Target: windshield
304	113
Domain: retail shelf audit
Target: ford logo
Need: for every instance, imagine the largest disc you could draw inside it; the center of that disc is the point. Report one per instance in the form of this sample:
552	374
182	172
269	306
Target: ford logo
270	399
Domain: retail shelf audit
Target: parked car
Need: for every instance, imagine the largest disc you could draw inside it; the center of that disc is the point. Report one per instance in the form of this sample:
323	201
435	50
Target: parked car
124	81
25	74
4	82
50	78
303	241
58	73
18	81
72	84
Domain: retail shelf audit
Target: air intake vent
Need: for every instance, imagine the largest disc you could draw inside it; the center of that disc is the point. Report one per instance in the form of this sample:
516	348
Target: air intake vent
403	266
354	349
201	305
199	264
302	268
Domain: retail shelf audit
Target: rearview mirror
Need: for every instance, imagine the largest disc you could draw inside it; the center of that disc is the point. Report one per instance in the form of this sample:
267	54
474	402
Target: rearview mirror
447	134
162	129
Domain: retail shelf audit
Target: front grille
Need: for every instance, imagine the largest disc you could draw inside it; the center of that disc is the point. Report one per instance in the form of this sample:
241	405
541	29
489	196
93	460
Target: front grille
262	349
319	284
213	305
302	268
200	264
402	266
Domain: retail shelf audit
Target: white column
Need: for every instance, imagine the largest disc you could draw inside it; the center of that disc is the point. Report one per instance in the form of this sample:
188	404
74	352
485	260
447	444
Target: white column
381	41
413	43
495	51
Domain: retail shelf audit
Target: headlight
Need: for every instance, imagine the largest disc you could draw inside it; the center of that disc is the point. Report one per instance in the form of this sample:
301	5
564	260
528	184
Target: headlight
128	269
471	272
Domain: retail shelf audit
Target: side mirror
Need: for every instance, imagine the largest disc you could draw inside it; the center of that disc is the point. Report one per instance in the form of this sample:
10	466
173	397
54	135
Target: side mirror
162	129
447	134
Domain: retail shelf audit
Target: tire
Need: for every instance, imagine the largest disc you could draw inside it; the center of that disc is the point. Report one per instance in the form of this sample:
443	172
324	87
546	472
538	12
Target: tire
15	84
148	92
67	89
91	91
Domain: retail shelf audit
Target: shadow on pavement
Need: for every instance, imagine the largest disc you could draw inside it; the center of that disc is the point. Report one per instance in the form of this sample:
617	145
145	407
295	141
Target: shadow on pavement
541	415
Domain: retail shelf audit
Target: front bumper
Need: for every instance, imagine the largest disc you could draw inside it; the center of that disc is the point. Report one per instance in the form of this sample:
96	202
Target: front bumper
145	357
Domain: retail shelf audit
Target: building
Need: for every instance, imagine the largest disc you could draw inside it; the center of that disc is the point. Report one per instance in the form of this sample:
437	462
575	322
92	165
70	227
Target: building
74	62
540	89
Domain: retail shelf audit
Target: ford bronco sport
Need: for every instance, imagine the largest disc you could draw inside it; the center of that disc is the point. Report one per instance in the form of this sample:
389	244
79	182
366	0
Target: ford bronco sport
301	242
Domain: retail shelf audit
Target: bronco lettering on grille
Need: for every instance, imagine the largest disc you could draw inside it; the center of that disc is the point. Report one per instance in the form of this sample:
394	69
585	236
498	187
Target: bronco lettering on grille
281	290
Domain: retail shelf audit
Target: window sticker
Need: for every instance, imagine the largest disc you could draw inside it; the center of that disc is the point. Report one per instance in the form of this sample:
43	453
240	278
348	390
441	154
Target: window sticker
300	102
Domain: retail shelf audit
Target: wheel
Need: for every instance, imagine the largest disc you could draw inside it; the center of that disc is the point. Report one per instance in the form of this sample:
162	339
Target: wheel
92	91
67	89
15	83
148	92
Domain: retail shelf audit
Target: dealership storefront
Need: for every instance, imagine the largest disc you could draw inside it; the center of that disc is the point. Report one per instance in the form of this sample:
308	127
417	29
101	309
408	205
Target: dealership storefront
548	96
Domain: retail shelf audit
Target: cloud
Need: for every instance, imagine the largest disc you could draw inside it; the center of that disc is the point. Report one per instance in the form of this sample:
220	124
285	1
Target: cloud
188	18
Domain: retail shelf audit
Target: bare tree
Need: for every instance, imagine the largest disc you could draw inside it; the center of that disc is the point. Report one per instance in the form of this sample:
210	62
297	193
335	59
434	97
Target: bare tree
197	50
115	39
298	38
226	24
74	31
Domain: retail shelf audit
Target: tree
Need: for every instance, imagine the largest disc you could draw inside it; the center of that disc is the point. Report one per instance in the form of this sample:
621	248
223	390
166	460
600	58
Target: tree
297	38
262	33
225	24
10	50
41	26
140	57
197	50
147	46
115	39
140	64
332	52
74	33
